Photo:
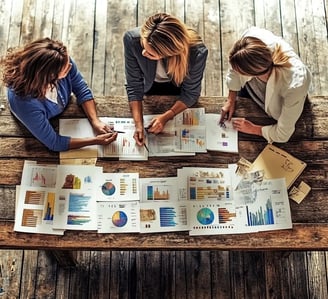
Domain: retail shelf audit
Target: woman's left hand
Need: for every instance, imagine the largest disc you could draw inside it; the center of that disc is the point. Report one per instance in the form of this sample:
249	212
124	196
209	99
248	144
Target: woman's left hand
157	125
245	126
101	127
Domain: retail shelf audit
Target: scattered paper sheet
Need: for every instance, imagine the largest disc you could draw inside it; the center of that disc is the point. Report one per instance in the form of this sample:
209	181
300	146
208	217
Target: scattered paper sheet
299	193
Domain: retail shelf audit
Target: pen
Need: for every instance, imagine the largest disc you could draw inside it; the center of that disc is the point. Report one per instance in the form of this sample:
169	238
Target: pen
146	147
114	131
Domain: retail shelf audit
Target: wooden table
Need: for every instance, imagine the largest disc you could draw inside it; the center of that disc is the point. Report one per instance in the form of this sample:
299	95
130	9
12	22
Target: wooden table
309	143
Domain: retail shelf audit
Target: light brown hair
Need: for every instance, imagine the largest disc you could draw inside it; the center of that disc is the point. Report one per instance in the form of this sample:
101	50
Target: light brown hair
251	56
171	39
31	69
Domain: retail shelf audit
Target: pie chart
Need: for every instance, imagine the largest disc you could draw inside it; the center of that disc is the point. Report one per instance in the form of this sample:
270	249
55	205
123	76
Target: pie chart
205	216
119	219
108	188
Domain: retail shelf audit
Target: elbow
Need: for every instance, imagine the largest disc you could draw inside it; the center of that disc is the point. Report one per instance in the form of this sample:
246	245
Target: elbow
58	144
276	134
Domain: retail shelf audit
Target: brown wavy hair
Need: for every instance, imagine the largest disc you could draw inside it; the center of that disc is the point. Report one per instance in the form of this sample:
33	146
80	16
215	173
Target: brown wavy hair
30	70
251	56
171	39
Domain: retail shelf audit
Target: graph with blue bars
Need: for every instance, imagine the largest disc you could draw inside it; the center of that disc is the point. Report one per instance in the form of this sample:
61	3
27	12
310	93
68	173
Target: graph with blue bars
167	216
262	216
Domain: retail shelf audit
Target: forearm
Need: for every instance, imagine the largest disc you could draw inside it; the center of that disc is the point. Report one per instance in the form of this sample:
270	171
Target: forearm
89	108
137	112
232	96
177	108
81	142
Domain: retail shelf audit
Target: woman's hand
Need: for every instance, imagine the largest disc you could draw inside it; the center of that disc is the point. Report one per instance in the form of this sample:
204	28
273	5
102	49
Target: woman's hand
139	135
229	107
100	127
107	138
245	126
157	124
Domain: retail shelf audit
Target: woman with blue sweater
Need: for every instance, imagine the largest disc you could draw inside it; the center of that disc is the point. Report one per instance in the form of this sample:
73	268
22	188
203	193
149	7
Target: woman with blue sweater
40	78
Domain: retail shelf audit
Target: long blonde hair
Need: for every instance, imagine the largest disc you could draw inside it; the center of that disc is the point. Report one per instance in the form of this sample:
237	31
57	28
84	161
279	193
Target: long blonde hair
251	56
171	39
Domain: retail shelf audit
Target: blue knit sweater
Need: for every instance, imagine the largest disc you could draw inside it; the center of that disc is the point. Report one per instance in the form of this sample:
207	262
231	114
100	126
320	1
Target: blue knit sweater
35	113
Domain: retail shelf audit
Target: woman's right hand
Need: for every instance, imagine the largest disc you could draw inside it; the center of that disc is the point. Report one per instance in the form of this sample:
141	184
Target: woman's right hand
107	138
229	107
139	135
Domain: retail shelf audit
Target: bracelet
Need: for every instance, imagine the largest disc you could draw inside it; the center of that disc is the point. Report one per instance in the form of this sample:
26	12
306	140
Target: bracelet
173	111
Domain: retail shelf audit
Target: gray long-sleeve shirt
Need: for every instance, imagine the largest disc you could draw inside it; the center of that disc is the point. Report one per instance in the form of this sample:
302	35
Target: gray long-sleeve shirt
140	71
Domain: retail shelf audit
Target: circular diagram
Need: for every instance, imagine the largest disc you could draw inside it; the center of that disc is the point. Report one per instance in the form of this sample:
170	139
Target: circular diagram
119	218
205	216
108	188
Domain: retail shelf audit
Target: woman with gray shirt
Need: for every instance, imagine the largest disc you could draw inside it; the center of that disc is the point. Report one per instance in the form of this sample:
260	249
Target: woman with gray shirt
163	57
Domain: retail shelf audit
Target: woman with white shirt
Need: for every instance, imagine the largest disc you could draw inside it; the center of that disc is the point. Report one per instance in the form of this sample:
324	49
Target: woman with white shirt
270	72
163	57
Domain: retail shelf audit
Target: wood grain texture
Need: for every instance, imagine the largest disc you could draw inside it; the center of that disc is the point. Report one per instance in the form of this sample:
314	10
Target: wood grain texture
93	32
305	236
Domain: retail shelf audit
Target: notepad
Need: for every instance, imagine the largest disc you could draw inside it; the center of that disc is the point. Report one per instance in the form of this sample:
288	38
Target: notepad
277	163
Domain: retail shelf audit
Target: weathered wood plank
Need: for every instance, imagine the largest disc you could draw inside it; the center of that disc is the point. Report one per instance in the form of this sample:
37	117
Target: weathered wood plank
10	270
232	25
237	274
220	275
212	83
29	274
147	8
275	266
148	266
45	286
168	282
268	15
176	8
99	47
123	274
121	16
79	40
180	275
63	282
100	274
43	19
297	279
79	278
305	236
198	282
317	275
254	275
289	23
313	39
